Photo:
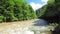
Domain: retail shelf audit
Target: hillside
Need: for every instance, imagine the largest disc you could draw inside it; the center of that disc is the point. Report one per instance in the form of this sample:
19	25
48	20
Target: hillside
15	10
50	12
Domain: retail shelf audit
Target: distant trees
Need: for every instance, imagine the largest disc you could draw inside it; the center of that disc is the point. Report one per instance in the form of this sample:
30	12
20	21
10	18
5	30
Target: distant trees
47	10
15	10
40	12
51	11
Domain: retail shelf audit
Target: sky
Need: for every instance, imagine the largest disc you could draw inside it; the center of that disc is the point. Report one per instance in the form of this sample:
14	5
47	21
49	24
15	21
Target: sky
36	4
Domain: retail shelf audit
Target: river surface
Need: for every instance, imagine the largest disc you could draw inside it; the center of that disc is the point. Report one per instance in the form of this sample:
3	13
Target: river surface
40	22
41	27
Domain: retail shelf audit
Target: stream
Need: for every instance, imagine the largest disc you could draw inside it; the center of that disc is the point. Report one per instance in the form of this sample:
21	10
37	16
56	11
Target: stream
41	27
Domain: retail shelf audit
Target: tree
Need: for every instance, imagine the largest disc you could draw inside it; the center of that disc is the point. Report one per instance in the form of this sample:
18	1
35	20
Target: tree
52	11
15	10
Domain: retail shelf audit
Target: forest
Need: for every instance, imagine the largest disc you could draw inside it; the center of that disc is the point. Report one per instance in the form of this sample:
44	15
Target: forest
50	11
15	10
20	10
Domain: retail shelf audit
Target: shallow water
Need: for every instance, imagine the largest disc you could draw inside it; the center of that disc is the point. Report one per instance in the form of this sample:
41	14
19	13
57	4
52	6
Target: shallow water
41	27
38	26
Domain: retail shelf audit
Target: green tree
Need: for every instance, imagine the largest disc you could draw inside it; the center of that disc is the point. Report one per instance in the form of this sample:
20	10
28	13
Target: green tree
14	10
52	11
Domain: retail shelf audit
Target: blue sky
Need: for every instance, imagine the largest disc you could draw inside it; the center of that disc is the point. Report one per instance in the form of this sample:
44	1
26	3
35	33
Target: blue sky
36	1
36	4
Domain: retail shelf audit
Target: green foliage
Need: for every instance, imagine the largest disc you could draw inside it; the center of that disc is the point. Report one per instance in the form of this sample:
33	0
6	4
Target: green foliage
40	12
1	18
14	10
52	11
51	1
32	13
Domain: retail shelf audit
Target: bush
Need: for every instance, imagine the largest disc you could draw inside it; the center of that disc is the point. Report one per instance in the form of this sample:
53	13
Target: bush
1	18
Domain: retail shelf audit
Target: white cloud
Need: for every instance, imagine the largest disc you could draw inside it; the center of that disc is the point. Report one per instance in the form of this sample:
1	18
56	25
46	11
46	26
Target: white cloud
35	6
45	1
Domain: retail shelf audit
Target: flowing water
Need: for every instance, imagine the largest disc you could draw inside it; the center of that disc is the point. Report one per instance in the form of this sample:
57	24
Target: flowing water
41	27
